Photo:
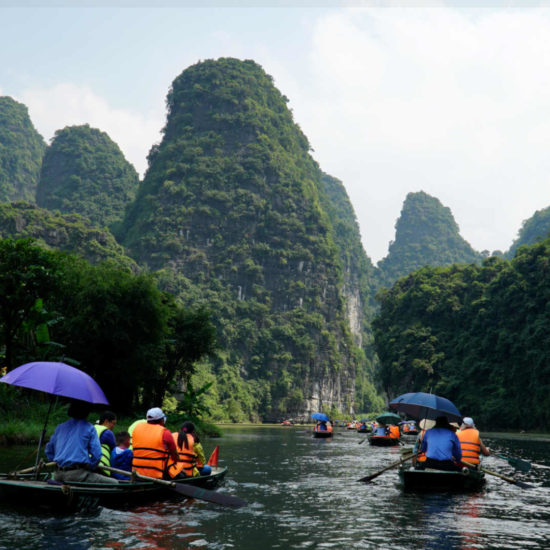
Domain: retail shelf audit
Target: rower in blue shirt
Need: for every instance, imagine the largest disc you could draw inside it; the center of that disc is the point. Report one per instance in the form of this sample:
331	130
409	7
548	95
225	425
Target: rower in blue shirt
441	446
75	447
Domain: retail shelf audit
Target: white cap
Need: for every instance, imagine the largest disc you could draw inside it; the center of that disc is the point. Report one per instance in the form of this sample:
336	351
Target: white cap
467	421
155	414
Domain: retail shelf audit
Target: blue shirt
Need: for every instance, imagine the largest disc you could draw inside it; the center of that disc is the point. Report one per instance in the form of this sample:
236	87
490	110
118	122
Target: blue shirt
441	444
121	459
74	442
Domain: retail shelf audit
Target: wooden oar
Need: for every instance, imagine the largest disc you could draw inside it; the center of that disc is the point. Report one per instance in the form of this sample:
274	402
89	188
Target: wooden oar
505	478
190	491
366	479
517	463
33	468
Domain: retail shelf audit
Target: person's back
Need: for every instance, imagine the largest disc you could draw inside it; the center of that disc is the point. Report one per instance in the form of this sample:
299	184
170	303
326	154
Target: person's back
75	448
152	445
470	442
394	432
122	455
441	446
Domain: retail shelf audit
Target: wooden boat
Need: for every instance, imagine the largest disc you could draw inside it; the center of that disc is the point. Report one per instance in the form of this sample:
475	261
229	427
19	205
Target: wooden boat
439	480
322	433
69	497
383	440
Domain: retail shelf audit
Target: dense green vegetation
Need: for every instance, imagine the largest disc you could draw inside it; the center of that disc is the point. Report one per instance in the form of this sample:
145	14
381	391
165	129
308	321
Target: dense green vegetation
425	234
536	228
476	334
85	172
21	151
69	233
232	211
133	339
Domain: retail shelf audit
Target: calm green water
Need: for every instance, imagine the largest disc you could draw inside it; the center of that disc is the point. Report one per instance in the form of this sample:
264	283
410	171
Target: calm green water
302	494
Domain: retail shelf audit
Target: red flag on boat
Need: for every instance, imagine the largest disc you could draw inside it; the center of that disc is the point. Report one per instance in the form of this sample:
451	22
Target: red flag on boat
213	460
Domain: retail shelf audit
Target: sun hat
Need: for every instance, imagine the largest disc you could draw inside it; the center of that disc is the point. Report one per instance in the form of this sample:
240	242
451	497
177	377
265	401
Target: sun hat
155	414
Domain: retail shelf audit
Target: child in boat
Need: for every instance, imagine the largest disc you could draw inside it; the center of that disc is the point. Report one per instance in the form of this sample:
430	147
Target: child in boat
122	455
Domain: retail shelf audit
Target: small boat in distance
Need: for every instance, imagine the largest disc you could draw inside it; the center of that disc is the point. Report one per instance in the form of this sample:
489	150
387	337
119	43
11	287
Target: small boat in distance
384	436
323	427
409	427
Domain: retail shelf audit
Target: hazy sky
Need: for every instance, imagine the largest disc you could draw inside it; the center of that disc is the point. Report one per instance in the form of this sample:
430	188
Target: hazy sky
450	100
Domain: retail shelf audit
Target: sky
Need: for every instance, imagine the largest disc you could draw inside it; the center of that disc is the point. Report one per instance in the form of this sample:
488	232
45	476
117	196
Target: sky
395	97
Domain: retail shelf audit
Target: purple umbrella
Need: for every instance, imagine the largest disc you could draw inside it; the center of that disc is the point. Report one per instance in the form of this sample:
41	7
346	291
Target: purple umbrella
56	379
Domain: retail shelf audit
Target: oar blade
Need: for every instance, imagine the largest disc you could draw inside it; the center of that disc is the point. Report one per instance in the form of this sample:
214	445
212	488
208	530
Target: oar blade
198	493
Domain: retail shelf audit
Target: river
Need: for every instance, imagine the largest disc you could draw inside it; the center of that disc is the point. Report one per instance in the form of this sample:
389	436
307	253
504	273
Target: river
302	494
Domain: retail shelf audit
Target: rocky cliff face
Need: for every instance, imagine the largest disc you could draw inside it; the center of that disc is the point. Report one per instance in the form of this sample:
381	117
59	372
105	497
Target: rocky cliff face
233	212
21	151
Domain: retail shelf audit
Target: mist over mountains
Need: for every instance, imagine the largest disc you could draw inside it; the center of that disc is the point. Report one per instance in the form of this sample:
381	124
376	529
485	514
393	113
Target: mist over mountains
234	213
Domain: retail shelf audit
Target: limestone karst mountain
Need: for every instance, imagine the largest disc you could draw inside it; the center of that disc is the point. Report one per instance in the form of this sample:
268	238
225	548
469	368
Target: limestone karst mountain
85	172
233	211
425	234
21	151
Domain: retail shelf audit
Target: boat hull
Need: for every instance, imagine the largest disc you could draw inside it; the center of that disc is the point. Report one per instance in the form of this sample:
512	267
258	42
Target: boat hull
383	441
322	435
47	494
438	480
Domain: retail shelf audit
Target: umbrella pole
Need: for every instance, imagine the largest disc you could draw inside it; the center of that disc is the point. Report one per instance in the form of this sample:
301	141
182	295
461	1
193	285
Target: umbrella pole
41	440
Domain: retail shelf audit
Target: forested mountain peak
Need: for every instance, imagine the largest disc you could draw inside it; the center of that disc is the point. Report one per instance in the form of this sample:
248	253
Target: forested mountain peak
533	230
233	211
425	234
85	172
21	151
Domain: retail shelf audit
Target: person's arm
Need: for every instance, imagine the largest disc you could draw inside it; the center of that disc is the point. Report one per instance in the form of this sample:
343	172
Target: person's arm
94	447
170	445
484	450
424	444
108	438
50	446
199	451
457	450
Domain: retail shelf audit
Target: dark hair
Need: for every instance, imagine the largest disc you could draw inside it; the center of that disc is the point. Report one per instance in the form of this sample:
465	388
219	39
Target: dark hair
79	410
121	437
186	428
106	415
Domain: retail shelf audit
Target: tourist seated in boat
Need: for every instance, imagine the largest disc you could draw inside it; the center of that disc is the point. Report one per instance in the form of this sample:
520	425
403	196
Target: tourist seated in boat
202	468
470	442
132	427
441	446
420	458
393	431
381	431
321	426
122	455
75	448
153	445
186	465
104	428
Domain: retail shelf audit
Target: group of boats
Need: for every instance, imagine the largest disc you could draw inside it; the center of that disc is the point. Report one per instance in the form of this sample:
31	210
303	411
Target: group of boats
388	430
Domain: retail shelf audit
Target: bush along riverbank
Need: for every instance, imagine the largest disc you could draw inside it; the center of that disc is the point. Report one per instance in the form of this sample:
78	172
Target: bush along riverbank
22	418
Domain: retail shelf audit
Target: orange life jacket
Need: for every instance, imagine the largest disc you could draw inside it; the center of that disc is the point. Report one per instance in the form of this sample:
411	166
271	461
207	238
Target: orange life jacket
150	456
421	457
187	458
470	445
394	432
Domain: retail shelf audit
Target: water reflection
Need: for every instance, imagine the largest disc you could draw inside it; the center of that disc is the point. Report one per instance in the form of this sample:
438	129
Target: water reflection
302	493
